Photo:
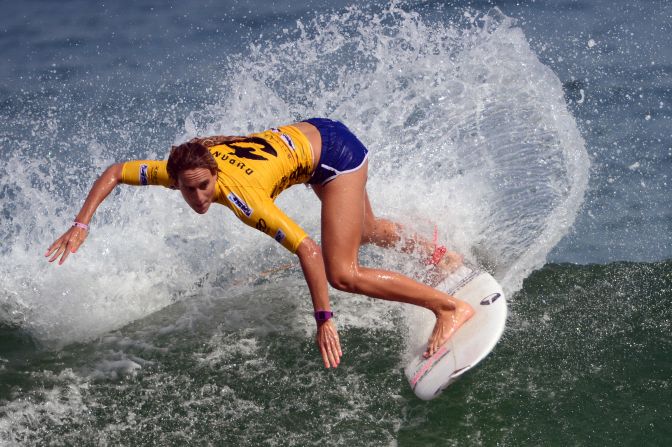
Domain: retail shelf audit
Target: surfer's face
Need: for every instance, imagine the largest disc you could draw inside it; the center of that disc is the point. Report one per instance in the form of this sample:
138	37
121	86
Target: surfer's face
198	188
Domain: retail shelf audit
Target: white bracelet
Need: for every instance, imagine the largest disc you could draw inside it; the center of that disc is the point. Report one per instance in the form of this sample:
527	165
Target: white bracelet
80	225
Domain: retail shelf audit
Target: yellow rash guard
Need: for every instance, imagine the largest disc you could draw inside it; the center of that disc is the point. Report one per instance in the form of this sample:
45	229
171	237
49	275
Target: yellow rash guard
252	172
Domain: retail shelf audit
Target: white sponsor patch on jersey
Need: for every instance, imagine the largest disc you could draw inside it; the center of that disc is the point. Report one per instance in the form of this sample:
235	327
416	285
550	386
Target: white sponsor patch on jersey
240	204
288	141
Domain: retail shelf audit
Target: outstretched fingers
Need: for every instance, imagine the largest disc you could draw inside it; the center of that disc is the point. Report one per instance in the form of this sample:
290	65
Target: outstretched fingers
329	343
68	243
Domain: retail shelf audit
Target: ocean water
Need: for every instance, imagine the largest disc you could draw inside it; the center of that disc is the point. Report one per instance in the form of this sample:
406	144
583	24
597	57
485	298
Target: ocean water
535	135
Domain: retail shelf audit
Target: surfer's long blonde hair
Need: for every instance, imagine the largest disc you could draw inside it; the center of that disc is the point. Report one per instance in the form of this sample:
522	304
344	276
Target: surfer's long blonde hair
190	155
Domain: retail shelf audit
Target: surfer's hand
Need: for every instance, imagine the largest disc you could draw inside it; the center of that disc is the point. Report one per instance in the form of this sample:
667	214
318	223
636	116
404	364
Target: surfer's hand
329	344
66	244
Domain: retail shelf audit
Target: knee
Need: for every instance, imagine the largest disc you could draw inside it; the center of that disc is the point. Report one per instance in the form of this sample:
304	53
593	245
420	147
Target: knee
343	278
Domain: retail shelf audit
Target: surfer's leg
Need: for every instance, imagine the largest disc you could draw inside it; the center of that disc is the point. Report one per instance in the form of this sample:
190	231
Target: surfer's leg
386	233
382	232
343	222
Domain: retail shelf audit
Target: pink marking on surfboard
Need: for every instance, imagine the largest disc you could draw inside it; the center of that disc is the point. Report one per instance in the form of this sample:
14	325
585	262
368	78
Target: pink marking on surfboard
438	355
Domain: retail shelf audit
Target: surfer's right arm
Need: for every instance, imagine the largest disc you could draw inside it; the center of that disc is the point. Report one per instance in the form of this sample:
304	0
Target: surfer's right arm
140	172
71	240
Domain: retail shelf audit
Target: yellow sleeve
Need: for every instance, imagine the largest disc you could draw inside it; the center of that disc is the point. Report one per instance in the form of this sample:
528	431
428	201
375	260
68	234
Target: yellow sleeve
146	172
265	216
276	224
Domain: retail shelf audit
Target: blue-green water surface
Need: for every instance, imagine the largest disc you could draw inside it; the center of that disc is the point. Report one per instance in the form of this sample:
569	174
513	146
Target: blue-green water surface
533	135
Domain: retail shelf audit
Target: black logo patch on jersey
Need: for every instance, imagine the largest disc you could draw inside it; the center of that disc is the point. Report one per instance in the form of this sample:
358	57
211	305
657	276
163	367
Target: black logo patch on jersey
247	148
261	225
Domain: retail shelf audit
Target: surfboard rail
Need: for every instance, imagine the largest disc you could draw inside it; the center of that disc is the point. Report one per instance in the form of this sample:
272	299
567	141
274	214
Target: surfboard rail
428	377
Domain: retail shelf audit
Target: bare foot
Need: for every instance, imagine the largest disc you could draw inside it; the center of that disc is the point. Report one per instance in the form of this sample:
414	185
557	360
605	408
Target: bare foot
450	262
447	322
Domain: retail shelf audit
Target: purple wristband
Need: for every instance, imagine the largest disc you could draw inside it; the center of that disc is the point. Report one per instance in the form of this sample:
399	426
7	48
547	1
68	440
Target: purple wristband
323	315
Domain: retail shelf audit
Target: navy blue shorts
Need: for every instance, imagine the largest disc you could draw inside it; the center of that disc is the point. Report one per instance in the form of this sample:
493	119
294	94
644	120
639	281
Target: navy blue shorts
342	152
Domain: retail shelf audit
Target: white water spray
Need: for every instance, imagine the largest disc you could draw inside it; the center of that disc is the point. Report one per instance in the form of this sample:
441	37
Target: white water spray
467	129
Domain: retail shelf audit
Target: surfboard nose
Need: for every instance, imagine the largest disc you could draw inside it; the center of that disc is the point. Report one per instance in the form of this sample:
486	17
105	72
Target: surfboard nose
471	343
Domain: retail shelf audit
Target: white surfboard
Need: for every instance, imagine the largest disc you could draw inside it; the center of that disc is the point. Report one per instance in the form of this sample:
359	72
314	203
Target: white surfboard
471	343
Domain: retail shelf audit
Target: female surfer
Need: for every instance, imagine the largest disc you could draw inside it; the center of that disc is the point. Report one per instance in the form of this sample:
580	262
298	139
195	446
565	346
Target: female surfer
246	174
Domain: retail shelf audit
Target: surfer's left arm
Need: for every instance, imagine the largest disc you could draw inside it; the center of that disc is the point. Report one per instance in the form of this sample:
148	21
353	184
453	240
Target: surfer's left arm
264	215
312	264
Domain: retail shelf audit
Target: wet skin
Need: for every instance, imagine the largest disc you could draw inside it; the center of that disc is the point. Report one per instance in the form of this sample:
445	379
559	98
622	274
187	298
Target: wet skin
198	188
347	222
